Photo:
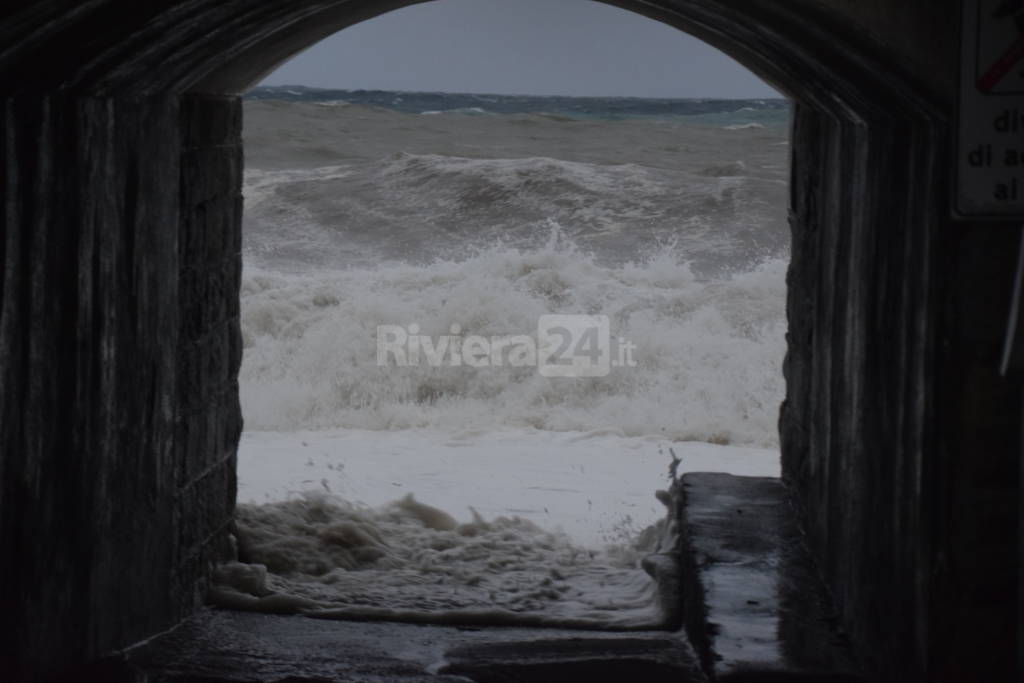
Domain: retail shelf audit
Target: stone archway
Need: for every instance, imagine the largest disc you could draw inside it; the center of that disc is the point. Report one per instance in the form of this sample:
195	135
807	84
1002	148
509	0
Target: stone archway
119	343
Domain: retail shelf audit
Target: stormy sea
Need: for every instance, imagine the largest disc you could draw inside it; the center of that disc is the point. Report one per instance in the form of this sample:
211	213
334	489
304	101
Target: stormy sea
420	487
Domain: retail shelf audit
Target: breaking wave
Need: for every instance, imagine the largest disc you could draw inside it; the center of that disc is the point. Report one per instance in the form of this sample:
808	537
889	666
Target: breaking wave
708	352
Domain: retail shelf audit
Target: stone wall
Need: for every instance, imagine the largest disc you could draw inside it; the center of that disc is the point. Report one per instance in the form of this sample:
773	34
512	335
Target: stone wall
208	418
860	370
119	348
899	437
88	306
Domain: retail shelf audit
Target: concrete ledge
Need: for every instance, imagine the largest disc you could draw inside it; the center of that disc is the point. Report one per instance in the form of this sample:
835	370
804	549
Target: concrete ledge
223	646
594	660
755	607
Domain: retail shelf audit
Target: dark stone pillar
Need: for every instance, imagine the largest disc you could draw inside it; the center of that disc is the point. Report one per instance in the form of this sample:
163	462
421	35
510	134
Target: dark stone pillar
105	528
88	325
209	418
859	371
898	436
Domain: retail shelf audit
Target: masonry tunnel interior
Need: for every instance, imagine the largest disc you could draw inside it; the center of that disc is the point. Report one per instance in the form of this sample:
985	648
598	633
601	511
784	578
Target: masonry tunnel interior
889	549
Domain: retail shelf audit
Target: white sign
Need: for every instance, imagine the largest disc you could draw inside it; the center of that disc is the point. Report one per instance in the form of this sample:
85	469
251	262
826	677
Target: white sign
990	165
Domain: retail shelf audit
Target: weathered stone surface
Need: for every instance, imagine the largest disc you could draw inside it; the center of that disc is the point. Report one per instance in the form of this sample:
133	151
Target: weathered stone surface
898	437
117	478
209	351
595	660
860	371
89	322
753	581
233	646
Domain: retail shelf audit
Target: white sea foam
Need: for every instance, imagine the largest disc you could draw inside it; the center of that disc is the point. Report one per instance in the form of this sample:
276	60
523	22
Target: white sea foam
408	561
569	513
460	110
708	353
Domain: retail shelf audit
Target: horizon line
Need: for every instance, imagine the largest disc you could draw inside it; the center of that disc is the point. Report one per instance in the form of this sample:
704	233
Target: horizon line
777	96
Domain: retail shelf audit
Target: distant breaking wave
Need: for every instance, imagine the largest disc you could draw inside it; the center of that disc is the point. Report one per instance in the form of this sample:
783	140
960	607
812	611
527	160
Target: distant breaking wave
420	207
765	111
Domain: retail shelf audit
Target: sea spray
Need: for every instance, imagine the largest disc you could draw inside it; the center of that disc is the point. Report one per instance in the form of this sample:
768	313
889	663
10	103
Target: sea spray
708	353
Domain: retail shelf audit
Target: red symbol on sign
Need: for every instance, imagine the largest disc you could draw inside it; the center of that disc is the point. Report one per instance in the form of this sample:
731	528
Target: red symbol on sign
1009	59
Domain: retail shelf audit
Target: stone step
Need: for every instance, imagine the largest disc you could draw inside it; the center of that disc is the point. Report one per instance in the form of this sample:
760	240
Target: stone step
754	605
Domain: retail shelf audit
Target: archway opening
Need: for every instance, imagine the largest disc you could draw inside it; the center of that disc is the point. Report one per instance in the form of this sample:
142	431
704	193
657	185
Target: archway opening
404	251
122	270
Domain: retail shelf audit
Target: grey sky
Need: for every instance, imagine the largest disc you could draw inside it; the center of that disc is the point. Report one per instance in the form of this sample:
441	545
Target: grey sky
540	47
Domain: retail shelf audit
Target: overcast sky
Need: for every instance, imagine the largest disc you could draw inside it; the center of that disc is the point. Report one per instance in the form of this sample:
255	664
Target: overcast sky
537	47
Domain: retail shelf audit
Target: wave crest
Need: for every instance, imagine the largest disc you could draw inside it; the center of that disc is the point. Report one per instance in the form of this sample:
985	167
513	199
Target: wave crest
708	352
